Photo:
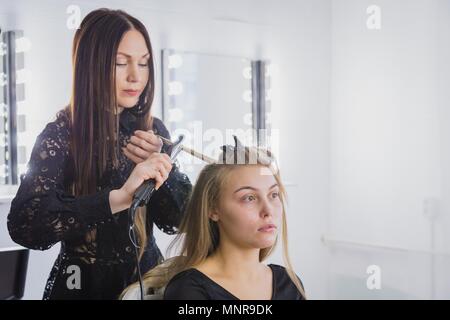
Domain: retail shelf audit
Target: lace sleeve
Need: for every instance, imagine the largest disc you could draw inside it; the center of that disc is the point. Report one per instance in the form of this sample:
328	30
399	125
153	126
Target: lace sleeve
166	207
42	212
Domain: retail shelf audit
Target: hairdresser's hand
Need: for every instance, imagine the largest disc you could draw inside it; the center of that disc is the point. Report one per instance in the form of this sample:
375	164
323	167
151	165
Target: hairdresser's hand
157	166
142	145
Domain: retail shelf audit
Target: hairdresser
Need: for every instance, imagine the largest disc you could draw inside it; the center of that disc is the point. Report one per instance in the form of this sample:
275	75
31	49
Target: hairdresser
87	164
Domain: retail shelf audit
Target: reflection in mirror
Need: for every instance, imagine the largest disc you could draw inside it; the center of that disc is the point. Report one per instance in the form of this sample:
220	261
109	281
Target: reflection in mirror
13	154
210	98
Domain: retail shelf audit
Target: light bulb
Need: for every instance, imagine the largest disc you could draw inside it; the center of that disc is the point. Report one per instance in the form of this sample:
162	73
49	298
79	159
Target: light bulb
3	49
23	76
175	115
175	88
248	120
247	73
23	44
3	79
175	61
247	96
269	95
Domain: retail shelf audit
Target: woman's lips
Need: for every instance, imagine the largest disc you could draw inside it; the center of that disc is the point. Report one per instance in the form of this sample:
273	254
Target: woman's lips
268	228
131	93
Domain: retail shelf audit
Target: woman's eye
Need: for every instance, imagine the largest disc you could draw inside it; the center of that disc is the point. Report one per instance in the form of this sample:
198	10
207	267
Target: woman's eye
120	64
275	195
143	65
249	198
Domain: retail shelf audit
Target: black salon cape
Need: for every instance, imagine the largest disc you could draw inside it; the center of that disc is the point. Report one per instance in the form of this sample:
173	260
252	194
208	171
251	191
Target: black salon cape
94	243
192	284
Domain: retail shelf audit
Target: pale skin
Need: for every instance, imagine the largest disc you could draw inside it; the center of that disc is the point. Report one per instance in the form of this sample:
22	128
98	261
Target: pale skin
249	201
132	73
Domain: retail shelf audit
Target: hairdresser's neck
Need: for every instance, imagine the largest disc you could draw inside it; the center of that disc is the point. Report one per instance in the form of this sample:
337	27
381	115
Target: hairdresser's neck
231	258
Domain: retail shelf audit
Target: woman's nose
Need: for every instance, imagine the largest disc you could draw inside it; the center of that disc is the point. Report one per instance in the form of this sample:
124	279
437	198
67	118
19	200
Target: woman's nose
266	209
133	75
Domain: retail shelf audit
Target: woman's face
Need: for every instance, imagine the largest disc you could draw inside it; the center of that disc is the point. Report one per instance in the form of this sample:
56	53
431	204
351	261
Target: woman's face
132	71
250	208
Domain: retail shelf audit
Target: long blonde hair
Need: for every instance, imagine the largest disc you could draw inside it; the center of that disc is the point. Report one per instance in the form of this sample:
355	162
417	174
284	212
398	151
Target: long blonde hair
199	235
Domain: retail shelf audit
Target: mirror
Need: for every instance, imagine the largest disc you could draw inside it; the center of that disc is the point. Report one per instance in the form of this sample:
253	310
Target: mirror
13	155
209	98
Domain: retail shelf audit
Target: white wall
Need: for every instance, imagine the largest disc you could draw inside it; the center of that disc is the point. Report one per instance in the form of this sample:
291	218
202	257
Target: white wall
443	55
389	138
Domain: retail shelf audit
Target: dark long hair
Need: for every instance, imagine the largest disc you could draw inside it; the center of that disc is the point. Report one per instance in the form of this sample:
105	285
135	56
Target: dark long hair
93	108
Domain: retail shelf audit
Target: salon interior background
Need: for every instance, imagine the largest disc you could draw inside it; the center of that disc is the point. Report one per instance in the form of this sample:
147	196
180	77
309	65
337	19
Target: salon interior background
363	115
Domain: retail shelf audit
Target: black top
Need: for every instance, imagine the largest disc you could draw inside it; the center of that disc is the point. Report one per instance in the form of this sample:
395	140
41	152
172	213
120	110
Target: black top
44	213
192	284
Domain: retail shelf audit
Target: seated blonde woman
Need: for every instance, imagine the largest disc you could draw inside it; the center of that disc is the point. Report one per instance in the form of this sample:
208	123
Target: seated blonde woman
232	222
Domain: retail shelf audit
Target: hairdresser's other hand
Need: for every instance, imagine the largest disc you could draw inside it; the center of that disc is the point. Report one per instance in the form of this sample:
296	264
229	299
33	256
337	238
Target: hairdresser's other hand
142	145
157	166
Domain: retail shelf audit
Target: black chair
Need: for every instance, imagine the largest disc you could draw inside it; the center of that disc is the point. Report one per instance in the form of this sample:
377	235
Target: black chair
13	271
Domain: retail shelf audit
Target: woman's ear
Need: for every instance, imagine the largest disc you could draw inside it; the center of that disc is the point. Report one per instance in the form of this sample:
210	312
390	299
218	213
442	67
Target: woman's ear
214	215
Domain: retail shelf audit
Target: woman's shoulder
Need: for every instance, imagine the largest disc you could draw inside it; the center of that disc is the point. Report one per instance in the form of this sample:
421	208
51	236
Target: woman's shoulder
279	269
186	277
186	285
59	124
280	273
56	133
282	281
63	115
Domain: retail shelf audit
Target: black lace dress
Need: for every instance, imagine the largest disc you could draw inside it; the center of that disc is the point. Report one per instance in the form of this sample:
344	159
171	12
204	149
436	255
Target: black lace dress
94	243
